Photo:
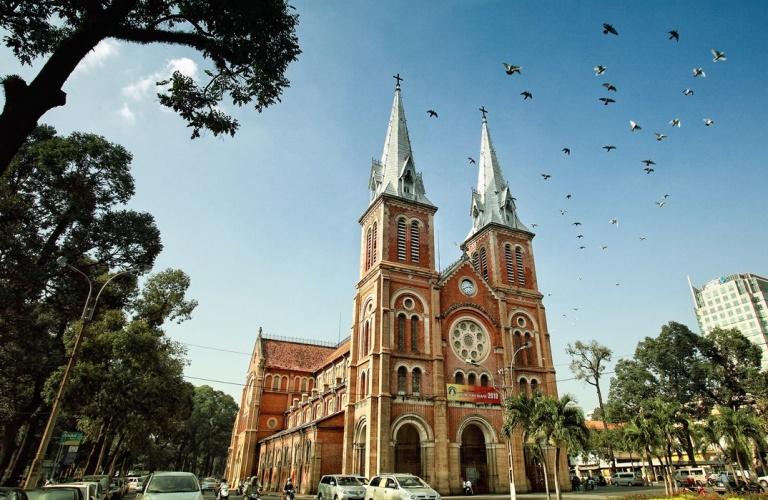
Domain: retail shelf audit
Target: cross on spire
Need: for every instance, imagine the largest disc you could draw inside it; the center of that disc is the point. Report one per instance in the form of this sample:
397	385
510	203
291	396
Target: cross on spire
483	111
397	77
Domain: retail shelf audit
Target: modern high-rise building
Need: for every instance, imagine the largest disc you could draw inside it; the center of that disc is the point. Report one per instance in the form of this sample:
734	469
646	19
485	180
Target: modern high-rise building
735	301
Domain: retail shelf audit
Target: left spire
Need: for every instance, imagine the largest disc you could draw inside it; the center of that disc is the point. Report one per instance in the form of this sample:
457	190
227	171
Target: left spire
396	173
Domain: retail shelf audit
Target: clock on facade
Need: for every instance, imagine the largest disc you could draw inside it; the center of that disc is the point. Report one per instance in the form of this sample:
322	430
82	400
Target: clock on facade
467	287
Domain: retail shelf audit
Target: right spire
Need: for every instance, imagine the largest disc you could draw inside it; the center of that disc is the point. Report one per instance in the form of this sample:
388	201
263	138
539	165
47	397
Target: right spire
492	201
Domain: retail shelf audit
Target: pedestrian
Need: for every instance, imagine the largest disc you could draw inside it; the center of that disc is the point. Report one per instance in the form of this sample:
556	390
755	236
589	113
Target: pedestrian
468	487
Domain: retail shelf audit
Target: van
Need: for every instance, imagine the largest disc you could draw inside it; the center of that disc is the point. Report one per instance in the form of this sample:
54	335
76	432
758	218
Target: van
626	479
699	475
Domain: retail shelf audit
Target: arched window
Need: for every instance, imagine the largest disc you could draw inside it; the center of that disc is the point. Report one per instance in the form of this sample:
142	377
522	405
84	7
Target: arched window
304	384
459	378
373	245
475	262
414	241
510	265
366	339
534	386
471	379
296	384
368	247
363	386
416	381
415	334
401	239
268	381
276	382
402	373
484	380
519	263
401	332
522	386
483	264
528	356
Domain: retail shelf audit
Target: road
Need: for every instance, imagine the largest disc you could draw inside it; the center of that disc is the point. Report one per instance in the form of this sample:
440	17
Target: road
599	493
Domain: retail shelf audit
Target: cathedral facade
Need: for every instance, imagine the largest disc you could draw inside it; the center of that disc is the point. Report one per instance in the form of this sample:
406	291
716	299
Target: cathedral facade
418	385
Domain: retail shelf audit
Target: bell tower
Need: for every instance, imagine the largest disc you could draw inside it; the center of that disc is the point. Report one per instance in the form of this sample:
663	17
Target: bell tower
393	298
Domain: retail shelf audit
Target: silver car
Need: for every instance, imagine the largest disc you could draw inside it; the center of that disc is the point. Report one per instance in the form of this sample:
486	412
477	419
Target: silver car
172	486
399	487
338	487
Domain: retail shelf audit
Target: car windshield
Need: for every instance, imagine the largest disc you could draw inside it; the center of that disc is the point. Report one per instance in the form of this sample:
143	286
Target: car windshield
410	482
347	481
58	494
172	484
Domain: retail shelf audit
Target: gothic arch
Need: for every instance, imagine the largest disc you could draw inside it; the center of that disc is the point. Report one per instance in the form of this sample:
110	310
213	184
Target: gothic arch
415	294
419	422
522	312
488	432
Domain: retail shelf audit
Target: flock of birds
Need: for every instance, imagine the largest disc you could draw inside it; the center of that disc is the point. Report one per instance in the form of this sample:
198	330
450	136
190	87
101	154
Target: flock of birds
634	127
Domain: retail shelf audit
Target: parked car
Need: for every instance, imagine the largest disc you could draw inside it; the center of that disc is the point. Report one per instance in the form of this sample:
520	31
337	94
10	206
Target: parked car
104	484
399	487
626	479
338	486
172	486
363	480
209	484
61	493
12	494
88	490
699	475
599	479
722	486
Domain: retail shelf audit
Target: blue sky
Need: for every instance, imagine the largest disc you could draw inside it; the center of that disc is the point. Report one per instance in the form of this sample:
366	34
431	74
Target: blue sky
265	223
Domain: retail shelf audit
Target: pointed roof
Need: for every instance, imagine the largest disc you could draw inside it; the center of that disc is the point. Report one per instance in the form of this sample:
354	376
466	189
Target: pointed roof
492	201
396	173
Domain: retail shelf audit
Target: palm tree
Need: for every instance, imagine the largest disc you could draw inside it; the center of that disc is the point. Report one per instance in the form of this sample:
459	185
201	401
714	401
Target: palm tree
563	427
524	413
631	439
645	430
736	428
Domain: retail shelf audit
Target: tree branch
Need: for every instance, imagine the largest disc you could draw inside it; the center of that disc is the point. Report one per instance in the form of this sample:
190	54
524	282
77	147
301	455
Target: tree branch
144	36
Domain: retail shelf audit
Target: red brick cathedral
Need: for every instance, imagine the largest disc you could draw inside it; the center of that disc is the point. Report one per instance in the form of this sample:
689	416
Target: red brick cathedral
418	385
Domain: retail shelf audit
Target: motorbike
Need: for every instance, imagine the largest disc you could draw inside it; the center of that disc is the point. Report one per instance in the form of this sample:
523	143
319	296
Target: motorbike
290	494
223	492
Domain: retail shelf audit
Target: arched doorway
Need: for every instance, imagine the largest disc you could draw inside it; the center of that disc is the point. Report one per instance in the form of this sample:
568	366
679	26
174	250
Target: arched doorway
408	450
474	461
360	451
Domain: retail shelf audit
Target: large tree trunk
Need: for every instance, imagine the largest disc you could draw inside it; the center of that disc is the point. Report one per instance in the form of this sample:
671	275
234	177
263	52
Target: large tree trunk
558	493
605	425
546	473
90	463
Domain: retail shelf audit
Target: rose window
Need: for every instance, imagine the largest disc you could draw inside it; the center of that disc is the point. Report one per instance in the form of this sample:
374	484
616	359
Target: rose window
469	341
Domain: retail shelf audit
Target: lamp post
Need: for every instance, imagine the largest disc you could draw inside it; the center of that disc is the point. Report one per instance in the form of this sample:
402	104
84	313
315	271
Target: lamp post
510	390
33	476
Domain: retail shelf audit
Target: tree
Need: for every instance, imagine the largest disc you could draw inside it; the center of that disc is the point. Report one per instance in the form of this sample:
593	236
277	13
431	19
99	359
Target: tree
63	197
523	414
736	428
562	426
588	362
249	45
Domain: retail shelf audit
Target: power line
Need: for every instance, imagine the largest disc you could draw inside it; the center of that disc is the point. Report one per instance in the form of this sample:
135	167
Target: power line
214	348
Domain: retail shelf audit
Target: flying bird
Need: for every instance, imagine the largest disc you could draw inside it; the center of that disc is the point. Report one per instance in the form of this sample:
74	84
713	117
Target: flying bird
618	284
534	225
674	34
615	222
665	196
432	113
610	87
577	223
718	56
546	176
661	204
566	151
709	121
563	211
699	72
606	100
634	126
600	69
660	137
607	28
582	247
643	238
511	69
648	170
526	95
675	122
568	196
608	148
688	92
648	163
603	247
579	236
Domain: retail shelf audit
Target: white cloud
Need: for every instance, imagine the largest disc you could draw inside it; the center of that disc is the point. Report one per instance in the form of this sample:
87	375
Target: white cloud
104	50
142	87
127	115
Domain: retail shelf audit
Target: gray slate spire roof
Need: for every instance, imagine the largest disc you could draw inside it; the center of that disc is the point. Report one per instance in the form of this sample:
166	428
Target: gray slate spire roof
492	201
396	173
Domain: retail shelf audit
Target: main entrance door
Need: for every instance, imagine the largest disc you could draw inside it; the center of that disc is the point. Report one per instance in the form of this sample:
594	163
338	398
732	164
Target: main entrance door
408	450
474	461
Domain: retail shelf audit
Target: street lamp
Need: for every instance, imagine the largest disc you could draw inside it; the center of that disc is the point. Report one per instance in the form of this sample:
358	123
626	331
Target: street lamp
510	390
85	317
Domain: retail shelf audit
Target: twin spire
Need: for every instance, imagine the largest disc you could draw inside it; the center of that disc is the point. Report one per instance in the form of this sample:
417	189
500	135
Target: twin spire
396	175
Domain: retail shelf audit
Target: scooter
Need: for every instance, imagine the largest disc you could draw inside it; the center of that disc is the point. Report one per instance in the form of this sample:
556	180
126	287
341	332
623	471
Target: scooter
223	492
290	494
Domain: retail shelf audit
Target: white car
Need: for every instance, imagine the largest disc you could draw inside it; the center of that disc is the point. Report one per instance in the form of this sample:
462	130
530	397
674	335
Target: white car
339	486
89	490
399	487
172	486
